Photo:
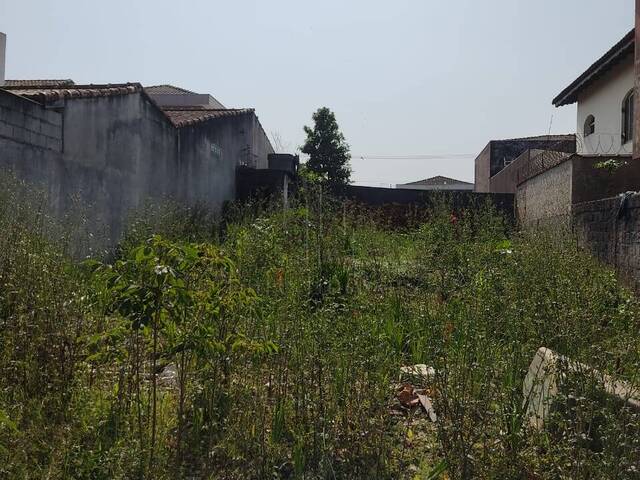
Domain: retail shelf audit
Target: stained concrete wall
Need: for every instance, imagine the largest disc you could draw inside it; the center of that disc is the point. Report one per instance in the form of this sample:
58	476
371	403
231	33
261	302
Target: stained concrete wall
116	152
119	151
209	153
546	198
261	146
31	144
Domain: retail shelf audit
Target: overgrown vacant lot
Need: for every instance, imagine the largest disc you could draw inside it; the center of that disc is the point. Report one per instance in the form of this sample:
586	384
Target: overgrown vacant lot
274	351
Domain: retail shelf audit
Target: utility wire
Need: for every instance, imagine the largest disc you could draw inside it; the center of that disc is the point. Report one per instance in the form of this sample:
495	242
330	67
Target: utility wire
415	157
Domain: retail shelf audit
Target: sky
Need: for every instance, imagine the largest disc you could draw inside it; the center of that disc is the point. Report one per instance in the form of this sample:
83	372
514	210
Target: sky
418	86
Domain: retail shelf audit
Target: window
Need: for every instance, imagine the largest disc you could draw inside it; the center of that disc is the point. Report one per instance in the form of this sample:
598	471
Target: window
627	118
589	125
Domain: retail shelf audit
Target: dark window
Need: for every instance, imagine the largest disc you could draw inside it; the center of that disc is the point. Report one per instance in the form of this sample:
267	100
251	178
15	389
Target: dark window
627	118
589	125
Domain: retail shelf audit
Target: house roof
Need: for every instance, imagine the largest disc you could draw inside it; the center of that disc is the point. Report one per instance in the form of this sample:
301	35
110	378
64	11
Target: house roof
177	115
612	57
39	83
438	180
167	90
183	116
43	94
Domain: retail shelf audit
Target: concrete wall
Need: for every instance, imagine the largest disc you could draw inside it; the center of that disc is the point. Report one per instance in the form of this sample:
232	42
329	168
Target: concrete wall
209	154
482	170
31	143
609	229
546	198
603	100
116	152
119	152
261	146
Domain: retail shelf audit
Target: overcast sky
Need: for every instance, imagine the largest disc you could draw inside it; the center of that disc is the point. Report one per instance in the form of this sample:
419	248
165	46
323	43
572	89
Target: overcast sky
408	80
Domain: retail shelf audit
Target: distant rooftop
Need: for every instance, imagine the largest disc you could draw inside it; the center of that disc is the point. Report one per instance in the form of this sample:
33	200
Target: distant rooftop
167	90
172	96
439	180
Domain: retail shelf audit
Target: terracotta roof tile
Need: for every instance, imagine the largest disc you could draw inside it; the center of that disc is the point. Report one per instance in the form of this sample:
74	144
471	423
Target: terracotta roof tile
39	83
48	94
179	116
183	116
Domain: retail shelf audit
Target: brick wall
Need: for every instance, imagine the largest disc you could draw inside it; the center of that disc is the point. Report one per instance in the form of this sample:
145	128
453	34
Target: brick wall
610	230
26	122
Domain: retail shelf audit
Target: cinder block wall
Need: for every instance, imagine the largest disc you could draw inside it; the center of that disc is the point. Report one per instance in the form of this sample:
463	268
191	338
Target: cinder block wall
29	123
610	230
31	144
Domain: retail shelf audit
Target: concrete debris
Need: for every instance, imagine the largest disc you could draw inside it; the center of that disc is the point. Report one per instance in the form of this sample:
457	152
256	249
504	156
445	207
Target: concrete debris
427	404
168	377
546	375
419	370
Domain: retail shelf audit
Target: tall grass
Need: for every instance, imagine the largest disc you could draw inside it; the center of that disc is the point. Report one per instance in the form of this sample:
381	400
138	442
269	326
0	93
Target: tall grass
271	348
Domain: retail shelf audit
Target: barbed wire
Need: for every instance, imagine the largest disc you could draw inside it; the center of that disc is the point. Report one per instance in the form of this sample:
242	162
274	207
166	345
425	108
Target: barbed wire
602	143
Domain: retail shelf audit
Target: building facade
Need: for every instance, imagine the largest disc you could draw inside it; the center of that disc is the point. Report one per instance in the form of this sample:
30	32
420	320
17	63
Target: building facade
499	154
604	94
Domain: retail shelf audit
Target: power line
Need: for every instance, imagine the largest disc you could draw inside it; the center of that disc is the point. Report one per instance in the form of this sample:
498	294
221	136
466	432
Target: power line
416	157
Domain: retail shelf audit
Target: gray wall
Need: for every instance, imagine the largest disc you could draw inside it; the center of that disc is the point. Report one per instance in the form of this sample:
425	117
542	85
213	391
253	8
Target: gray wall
261	145
31	144
116	152
119	151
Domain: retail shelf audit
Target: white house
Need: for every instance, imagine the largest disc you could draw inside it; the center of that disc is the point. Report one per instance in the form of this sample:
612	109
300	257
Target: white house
605	96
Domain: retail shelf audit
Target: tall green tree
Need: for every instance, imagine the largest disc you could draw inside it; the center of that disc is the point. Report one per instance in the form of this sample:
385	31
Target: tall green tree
328	151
